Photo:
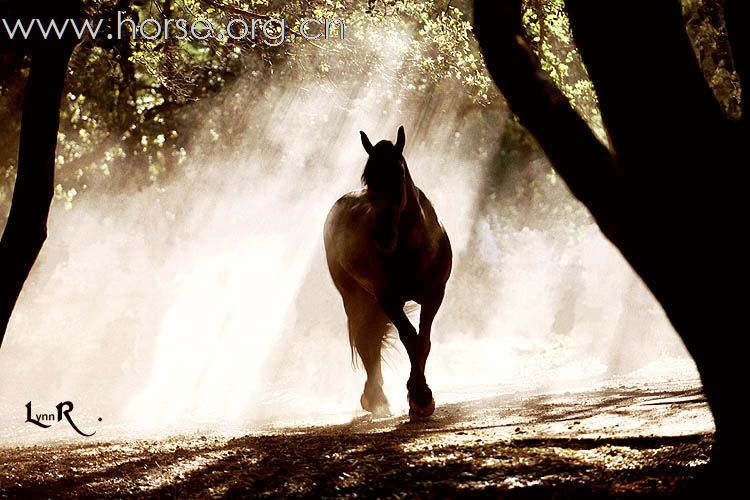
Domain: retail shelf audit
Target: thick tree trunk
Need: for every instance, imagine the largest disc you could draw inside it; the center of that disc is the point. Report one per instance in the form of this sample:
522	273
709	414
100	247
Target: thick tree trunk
26	228
654	194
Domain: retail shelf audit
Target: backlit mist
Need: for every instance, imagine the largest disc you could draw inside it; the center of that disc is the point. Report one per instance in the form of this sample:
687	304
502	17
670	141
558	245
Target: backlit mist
208	301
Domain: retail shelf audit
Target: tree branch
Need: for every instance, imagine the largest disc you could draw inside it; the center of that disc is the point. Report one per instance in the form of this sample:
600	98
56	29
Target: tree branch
656	84
584	162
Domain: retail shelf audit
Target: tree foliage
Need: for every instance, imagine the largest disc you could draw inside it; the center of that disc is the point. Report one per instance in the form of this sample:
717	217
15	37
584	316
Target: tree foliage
123	120
125	114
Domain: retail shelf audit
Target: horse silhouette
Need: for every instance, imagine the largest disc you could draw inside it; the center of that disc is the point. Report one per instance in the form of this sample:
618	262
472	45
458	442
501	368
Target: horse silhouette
385	246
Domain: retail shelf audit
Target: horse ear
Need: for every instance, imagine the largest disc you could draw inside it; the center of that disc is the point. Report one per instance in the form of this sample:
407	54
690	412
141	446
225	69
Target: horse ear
366	143
401	141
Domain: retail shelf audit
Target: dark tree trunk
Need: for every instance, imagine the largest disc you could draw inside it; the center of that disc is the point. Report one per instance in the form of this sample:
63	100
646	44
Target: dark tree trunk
668	192
26	228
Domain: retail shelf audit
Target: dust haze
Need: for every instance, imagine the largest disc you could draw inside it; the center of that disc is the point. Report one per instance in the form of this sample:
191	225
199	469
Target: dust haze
206	302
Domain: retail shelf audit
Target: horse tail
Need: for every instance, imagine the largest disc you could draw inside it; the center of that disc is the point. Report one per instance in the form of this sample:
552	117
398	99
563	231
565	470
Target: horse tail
352	344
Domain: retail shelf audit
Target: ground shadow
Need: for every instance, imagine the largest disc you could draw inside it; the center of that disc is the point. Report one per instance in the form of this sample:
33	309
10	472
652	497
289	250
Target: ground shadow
467	449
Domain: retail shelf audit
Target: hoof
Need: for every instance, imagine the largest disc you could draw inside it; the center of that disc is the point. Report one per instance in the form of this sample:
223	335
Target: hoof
417	412
381	412
378	411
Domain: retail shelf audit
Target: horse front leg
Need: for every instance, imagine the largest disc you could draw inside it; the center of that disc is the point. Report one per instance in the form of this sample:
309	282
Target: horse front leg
421	402
394	309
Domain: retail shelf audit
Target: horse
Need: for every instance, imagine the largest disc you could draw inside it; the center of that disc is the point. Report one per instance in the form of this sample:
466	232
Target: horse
385	247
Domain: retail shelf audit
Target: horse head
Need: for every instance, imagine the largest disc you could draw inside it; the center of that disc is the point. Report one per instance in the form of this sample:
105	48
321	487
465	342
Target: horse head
385	170
388	185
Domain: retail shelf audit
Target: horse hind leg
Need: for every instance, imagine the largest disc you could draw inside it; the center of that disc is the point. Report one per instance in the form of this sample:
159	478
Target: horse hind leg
368	326
373	398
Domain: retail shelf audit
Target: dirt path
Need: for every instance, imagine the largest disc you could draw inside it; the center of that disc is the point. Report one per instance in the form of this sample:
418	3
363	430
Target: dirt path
615	442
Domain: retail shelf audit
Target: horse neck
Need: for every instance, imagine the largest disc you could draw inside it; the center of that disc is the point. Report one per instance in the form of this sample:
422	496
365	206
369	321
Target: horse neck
411	193
394	196
392	210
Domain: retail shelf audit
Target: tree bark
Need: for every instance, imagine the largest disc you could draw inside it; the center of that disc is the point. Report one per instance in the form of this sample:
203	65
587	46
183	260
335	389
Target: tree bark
653	193
26	228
